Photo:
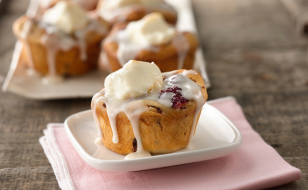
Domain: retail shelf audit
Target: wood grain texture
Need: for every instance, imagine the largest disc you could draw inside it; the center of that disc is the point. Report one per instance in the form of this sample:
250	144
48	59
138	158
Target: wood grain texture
253	54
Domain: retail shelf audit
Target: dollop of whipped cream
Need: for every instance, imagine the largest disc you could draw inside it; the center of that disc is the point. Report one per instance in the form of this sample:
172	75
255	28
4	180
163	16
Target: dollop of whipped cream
109	4
151	30
67	16
135	79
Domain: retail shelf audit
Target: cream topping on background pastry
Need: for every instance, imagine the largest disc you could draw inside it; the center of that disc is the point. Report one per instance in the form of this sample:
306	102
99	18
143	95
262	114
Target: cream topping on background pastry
151	30
67	16
147	33
135	79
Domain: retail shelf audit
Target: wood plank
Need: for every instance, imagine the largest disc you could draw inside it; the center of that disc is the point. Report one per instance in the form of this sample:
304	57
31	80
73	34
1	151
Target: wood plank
21	150
28	178
240	23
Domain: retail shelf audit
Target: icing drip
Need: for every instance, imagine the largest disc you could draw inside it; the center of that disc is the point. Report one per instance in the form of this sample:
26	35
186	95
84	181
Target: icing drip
55	40
52	79
104	62
191	91
24	35
33	8
134	107
97	98
182	46
32	73
81	35
127	50
133	112
99	141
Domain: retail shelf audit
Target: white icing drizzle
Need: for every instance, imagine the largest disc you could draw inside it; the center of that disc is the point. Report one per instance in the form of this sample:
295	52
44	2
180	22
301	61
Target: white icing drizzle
96	98
119	14
133	111
24	35
32	73
127	50
104	62
182	46
33	9
81	34
52	79
199	100
134	107
99	141
55	40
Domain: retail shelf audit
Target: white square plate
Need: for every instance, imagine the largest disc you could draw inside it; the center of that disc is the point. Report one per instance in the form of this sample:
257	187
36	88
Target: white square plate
18	82
216	136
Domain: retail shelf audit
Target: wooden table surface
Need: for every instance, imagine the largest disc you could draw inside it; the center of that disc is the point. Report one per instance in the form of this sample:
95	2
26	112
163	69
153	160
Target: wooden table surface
253	54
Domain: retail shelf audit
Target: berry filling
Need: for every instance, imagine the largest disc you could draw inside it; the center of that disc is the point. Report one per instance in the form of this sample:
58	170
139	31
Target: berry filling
177	99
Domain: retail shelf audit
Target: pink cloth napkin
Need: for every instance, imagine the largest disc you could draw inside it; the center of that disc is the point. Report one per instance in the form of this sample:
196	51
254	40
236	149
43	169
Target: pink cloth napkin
256	165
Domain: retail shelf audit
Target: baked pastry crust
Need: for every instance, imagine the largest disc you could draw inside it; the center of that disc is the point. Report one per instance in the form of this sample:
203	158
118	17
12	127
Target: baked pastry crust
162	129
165	56
139	12
68	63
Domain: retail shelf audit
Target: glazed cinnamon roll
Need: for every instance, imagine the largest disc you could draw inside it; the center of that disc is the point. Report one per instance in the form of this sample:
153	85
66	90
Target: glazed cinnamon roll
142	111
65	42
152	40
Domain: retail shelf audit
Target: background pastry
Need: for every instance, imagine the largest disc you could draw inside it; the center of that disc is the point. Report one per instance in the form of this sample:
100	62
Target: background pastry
66	41
142	110
115	11
43	5
150	39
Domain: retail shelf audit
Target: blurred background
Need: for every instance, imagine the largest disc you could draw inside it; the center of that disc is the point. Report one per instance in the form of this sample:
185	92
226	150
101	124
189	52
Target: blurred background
255	50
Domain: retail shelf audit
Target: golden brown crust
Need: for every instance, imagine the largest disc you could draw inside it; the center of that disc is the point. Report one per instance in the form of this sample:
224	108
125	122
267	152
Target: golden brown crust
162	129
140	12
67	62
165	56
